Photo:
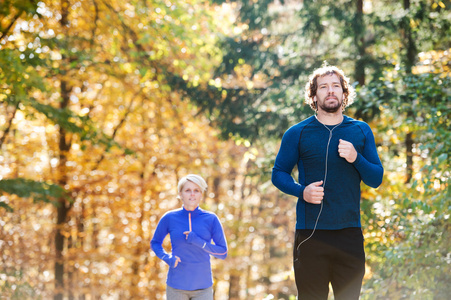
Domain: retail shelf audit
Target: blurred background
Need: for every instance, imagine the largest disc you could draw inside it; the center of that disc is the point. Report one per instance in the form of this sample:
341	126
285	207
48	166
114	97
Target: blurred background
105	104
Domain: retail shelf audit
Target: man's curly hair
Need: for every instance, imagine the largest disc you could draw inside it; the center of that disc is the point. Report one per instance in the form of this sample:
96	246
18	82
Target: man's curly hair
312	86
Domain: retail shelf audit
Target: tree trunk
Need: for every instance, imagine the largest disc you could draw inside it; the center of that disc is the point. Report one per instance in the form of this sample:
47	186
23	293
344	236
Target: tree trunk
62	212
359	42
409	41
63	206
409	157
137	264
64	146
234	287
409	61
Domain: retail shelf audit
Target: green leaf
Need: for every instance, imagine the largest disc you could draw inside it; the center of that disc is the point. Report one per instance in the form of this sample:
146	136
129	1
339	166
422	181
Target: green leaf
39	191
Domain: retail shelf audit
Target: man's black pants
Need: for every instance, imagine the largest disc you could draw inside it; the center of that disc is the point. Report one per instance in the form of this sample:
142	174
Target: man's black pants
329	256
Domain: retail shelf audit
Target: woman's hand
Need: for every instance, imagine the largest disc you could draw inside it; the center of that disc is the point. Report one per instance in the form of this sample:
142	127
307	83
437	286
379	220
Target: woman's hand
177	260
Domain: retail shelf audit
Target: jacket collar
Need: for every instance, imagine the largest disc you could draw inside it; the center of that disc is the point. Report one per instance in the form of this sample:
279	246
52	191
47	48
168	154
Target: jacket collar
196	211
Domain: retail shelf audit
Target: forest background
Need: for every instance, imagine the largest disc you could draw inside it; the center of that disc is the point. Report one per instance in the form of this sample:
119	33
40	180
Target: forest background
105	104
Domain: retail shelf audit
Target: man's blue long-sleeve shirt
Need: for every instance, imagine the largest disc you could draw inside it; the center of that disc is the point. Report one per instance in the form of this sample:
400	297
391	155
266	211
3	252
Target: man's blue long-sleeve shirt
305	145
194	270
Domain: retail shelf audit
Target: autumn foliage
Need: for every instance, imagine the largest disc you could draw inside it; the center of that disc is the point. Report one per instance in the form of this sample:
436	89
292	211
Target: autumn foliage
106	104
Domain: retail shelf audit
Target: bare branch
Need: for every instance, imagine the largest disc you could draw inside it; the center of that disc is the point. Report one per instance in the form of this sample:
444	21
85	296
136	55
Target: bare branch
8	128
119	125
96	18
8	28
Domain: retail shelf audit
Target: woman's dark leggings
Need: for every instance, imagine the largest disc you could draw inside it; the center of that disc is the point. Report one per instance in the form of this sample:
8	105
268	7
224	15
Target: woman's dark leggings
329	256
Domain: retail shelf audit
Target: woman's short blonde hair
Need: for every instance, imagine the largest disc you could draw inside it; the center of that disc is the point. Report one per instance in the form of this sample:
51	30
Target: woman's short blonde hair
312	86
193	178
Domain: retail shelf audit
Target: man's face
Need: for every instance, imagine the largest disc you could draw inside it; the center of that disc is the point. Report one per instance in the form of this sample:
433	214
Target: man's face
329	95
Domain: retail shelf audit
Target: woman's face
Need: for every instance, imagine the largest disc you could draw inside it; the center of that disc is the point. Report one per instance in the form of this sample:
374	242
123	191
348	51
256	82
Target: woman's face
191	195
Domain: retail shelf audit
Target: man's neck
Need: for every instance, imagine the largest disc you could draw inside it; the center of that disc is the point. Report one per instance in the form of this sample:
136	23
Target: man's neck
329	118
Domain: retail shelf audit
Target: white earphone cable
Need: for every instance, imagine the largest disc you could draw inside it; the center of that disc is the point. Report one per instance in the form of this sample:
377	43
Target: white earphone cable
324	185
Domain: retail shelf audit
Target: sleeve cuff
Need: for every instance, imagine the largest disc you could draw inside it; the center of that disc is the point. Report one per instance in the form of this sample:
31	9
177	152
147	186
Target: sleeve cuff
194	239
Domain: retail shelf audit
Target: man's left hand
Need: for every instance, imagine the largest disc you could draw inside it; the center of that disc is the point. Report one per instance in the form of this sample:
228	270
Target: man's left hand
347	151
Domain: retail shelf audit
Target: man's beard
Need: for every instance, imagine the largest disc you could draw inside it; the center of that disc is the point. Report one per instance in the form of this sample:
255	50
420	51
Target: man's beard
330	108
